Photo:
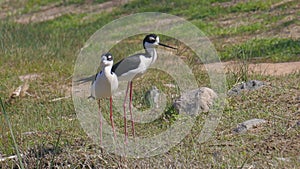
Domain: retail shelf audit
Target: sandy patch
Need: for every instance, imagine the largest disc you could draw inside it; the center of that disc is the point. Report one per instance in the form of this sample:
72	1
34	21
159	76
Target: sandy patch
273	69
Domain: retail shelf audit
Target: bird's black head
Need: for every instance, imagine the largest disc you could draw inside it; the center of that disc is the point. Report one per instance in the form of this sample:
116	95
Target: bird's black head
108	56
107	59
152	40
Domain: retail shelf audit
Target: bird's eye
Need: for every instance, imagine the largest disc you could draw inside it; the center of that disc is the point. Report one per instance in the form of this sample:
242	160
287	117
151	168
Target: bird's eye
151	38
109	57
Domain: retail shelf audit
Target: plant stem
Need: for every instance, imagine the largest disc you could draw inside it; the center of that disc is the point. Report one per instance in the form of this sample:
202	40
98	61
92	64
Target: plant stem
12	134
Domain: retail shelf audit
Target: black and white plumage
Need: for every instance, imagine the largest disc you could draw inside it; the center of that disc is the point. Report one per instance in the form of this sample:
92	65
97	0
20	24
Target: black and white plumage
104	85
134	66
106	81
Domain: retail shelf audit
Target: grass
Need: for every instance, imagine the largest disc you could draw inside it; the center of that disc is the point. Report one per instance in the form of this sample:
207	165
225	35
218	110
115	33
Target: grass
50	132
12	134
272	49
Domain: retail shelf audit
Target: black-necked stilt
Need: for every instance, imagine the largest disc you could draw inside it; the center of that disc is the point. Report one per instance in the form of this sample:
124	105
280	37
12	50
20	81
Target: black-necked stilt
105	83
134	66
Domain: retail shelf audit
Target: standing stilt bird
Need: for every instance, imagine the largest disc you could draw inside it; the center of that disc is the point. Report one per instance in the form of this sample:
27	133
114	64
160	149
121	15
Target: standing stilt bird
105	83
134	66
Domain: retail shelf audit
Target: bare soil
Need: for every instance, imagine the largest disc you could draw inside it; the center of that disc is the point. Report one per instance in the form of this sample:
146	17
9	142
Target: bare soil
272	69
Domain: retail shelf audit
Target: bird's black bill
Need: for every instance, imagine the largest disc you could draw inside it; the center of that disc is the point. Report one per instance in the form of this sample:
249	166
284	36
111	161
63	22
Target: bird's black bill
166	46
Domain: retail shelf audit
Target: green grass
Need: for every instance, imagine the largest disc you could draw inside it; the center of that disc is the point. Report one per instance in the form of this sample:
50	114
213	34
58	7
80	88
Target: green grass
50	49
272	49
251	6
36	5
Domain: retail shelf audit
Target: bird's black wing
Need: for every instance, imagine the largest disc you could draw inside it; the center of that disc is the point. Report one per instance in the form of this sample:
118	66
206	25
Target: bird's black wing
127	64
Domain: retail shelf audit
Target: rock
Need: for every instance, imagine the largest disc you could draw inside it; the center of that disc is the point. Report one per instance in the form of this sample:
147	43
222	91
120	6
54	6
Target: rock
283	159
218	157
170	85
195	101
152	97
250	85
21	91
247	166
247	125
298	124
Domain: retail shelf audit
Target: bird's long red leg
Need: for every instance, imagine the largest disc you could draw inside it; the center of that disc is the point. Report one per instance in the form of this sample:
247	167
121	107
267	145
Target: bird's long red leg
111	117
124	108
100	119
130	106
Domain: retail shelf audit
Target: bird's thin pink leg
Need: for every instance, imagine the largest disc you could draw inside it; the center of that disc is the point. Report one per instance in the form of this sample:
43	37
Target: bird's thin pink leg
100	119
111	117
130	106
124	108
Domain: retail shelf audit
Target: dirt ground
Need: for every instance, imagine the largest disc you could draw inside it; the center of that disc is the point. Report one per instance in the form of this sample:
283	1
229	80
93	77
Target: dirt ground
272	69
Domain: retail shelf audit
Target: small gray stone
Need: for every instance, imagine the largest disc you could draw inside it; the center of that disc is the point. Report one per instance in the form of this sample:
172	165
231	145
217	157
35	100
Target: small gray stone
240	129
152	97
195	101
283	159
250	85
218	157
247	166
247	125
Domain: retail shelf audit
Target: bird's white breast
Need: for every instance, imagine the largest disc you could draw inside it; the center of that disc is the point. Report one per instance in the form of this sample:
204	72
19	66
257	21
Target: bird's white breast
104	85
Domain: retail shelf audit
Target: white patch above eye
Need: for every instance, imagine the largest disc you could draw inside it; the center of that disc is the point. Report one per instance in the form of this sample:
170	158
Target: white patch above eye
151	38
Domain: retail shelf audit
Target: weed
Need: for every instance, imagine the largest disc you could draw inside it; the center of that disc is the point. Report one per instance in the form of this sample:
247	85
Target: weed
12	134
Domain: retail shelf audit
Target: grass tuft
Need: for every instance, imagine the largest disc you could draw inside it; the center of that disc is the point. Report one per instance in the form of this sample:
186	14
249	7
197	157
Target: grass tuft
12	134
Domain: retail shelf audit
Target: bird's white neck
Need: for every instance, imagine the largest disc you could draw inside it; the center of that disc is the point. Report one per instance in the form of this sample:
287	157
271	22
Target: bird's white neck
152	52
107	70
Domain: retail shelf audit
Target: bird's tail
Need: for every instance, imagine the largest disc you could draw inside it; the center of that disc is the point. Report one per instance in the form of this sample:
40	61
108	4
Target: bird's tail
86	79
91	97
